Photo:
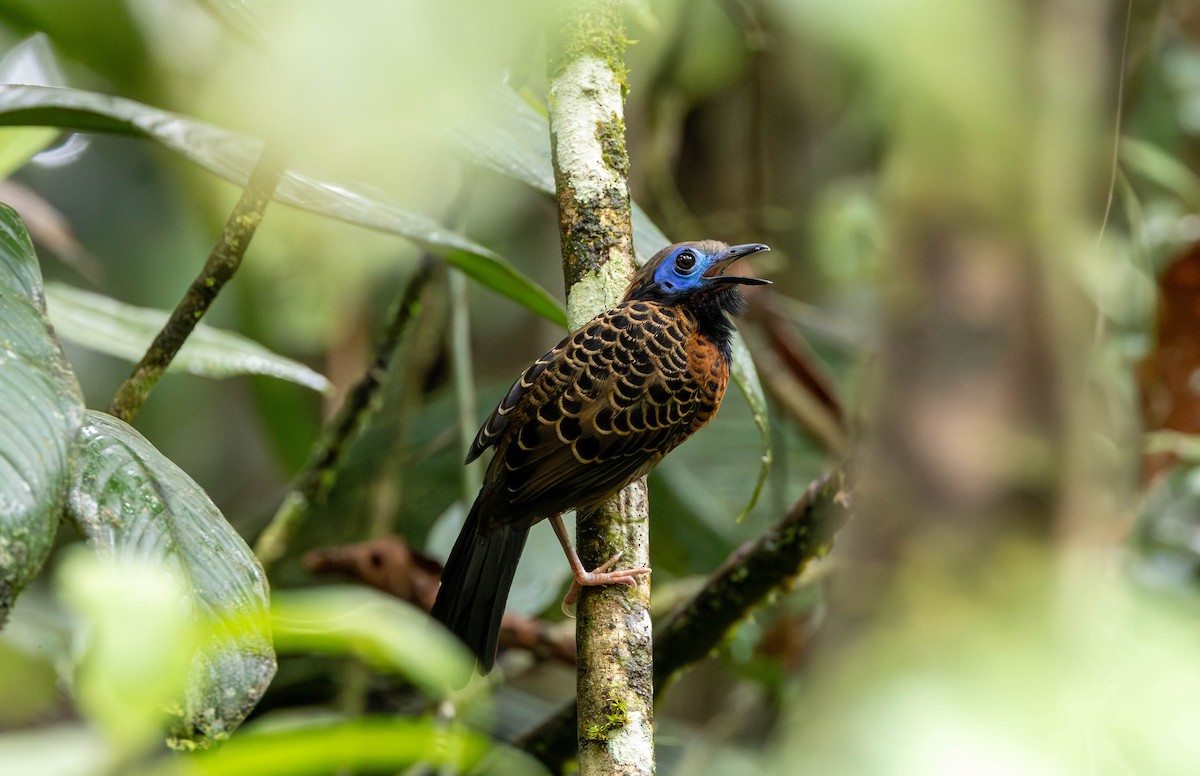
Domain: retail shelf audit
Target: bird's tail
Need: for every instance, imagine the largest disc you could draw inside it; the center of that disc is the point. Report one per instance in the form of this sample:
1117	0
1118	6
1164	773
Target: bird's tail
475	584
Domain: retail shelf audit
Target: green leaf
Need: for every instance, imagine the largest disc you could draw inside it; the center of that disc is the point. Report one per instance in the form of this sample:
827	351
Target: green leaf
31	61
376	745
105	325
53	750
131	501
746	376
384	632
240	17
20	144
232	157
514	141
41	409
137	643
1160	167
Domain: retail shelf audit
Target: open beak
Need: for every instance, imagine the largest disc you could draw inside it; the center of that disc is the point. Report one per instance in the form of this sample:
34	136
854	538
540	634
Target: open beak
730	255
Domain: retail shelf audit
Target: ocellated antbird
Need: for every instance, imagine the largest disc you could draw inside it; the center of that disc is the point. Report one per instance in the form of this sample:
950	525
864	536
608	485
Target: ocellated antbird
599	410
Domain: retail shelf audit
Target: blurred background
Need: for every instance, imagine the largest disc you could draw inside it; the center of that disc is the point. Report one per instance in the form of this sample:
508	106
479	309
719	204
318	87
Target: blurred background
983	223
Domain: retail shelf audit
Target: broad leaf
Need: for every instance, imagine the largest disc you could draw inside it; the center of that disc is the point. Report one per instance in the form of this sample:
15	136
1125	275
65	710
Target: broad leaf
232	157
375	745
32	61
40	411
105	325
131	501
386	633
134	644
20	144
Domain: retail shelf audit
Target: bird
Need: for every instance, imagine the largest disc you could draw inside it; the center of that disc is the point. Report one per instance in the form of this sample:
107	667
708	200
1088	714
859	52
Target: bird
597	411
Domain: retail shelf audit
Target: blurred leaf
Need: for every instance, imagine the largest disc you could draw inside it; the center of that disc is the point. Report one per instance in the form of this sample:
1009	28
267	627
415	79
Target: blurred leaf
1168	522
40	411
514	140
108	326
744	374
131	501
848	235
1181	67
53	751
139	643
1156	165
31	61
20	144
232	157
240	17
28	683
384	632
49	228
1043	674
370	744
102	34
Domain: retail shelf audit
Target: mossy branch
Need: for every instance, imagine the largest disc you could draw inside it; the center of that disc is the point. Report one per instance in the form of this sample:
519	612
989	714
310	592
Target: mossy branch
223	261
587	137
751	573
756	569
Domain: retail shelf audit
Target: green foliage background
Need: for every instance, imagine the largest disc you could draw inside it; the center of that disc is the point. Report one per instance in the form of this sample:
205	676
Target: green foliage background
417	129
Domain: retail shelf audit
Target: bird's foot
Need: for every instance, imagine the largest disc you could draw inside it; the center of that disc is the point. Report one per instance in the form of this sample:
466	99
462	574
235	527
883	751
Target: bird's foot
599	576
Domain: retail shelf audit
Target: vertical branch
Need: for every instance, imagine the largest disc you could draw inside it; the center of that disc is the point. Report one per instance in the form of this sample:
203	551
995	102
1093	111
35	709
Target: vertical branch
222	263
459	345
587	135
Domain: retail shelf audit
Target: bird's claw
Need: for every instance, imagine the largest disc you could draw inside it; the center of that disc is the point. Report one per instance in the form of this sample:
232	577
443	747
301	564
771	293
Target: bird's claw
599	576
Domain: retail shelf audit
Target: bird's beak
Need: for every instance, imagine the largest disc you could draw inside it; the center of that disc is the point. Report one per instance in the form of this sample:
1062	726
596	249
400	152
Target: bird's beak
730	255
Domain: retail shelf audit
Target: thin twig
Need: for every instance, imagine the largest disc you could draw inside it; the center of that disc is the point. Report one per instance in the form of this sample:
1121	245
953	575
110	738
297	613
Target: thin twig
317	478
756	569
423	349
1116	149
222	263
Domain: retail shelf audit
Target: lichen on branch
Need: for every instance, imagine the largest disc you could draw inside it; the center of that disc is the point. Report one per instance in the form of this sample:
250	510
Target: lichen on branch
587	90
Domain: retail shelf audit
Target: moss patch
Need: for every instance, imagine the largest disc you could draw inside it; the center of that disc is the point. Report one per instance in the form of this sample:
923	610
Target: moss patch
592	28
616	716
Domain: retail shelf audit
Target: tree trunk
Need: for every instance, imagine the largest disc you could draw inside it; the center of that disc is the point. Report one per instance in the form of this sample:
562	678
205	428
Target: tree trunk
587	133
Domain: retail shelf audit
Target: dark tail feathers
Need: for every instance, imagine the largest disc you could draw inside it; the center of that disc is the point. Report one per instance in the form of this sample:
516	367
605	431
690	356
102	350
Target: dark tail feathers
475	584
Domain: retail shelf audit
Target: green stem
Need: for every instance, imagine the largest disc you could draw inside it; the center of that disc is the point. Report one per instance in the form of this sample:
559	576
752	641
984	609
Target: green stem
318	476
223	261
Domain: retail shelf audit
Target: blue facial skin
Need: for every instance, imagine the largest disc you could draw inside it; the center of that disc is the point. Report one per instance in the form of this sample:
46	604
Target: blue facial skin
684	270
674	275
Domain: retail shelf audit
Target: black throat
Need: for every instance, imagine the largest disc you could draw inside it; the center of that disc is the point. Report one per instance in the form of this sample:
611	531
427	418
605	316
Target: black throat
709	307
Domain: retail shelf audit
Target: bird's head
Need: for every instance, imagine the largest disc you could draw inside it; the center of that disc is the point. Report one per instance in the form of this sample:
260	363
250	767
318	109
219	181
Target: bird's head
695	270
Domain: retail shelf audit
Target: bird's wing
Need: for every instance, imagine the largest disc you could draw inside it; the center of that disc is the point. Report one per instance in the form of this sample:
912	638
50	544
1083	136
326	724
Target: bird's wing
495	424
606	406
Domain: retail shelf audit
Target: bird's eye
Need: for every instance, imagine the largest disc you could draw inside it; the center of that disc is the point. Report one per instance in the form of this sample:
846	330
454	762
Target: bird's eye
685	261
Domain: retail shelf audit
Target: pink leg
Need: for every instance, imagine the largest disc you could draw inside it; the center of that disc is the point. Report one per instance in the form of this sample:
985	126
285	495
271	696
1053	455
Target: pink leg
584	578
